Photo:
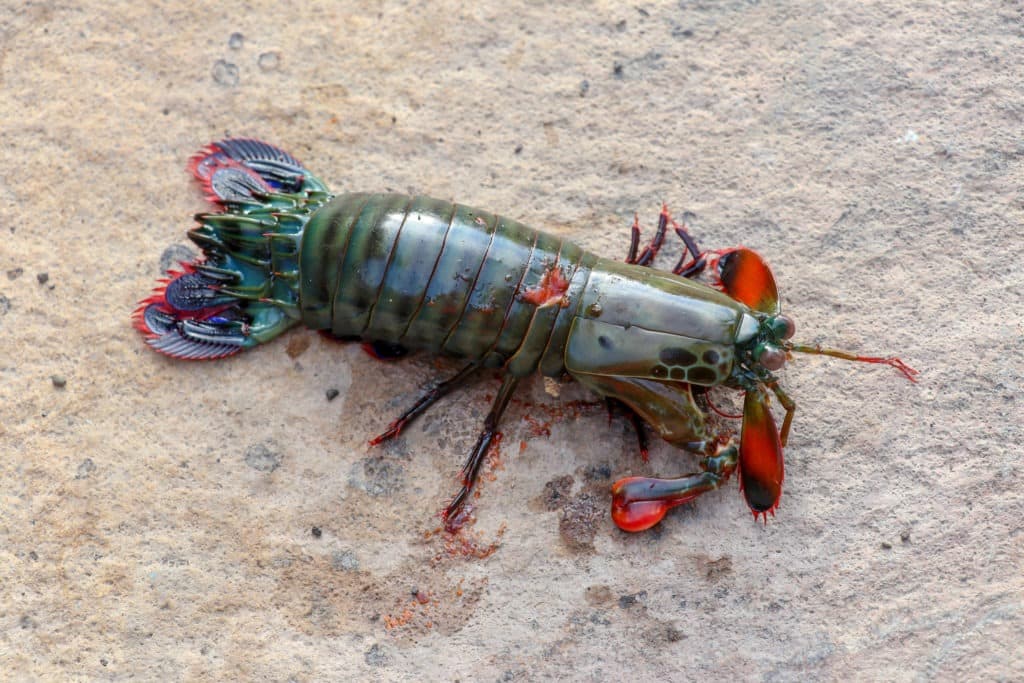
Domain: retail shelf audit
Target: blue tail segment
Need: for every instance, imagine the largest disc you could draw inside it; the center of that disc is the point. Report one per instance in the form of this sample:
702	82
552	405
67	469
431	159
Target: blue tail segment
243	290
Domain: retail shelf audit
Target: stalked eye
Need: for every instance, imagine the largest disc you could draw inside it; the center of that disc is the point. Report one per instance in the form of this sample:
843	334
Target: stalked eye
784	326
770	357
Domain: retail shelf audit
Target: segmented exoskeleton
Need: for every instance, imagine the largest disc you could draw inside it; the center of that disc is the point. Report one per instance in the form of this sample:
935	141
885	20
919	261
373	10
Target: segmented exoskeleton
402	272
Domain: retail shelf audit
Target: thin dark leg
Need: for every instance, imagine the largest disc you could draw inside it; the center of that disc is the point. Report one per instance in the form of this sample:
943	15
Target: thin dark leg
428	399
698	263
693	270
634	239
652	249
471	469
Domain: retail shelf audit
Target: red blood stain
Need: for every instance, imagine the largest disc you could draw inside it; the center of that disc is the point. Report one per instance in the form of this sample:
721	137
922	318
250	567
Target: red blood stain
560	412
551	289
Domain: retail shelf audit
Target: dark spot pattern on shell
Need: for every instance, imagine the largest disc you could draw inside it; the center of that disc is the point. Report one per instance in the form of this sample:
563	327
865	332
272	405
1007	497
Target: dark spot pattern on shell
604	342
677	356
702	375
710	356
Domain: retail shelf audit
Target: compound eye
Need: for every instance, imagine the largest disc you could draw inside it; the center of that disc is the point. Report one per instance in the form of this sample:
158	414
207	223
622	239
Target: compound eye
772	358
785	326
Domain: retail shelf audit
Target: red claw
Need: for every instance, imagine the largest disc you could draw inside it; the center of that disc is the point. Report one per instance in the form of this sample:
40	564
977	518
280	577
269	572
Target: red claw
761	466
747	278
638	503
638	515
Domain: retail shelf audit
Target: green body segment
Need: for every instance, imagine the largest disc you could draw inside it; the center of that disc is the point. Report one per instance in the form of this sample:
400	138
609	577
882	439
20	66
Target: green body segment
433	275
429	274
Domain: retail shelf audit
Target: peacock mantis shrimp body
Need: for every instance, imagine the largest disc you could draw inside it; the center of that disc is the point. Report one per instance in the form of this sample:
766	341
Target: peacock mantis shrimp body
407	273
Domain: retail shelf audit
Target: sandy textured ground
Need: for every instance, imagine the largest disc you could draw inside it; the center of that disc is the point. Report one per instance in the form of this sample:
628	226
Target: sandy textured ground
157	517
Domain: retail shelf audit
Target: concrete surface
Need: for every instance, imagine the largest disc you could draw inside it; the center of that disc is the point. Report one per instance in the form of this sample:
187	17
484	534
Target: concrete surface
157	517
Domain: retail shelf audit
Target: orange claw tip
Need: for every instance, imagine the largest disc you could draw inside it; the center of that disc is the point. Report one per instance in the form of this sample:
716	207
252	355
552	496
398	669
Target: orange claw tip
638	504
638	515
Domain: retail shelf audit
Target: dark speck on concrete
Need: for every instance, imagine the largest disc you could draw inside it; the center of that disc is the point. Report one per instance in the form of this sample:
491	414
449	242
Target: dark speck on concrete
174	255
379	476
42	278
15	273
617	70
345	560
103	662
85	468
332	394
578	525
886	545
376	656
715	570
59	381
584	88
236	40
5	304
602	472
556	492
627	601
264	457
317	532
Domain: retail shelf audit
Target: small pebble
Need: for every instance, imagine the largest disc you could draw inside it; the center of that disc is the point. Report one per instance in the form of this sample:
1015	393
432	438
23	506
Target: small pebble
59	381
332	394
236	40
317	532
886	545
269	61
225	73
42	278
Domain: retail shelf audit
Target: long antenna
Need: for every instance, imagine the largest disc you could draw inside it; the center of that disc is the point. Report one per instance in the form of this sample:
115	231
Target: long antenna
907	371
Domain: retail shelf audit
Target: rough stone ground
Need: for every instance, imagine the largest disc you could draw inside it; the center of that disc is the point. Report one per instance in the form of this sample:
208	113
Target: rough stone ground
157	517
